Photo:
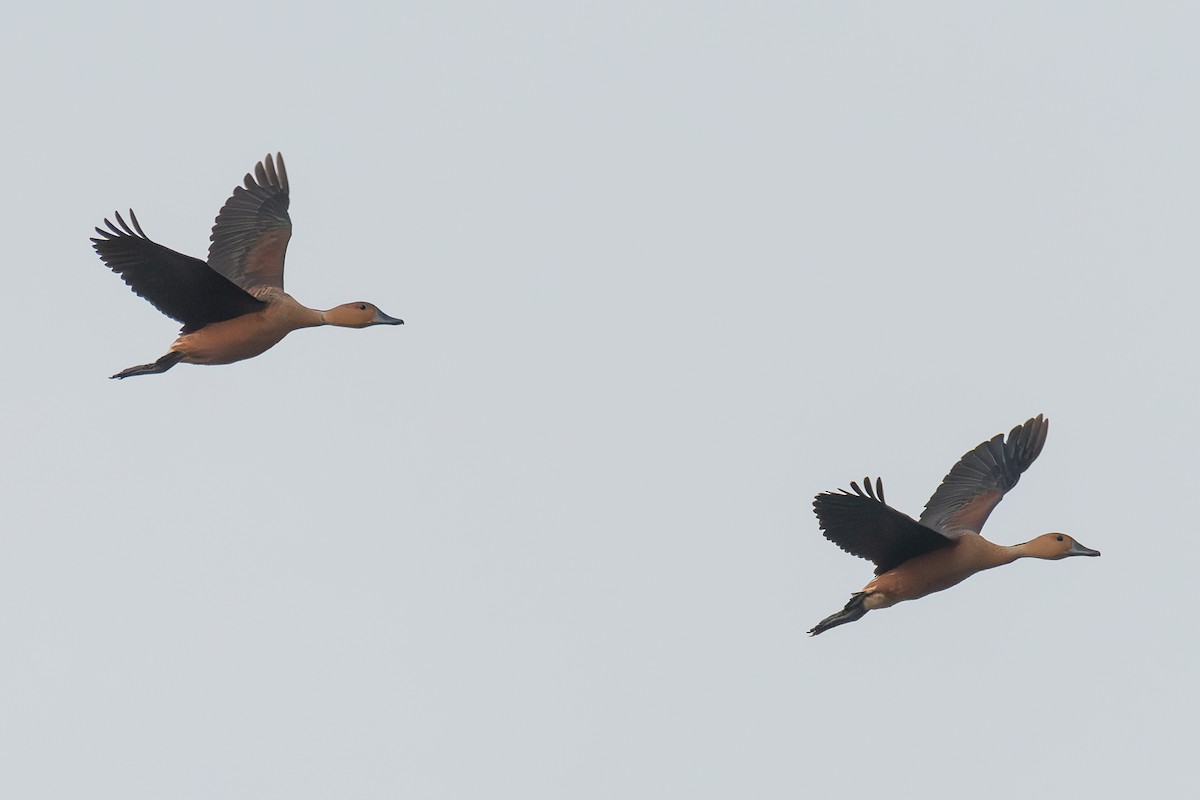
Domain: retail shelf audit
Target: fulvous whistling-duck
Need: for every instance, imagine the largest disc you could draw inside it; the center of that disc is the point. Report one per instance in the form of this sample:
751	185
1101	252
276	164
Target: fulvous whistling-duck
914	558
233	307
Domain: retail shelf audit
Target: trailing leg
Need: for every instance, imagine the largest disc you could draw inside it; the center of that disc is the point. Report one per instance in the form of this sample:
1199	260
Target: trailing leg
854	610
162	365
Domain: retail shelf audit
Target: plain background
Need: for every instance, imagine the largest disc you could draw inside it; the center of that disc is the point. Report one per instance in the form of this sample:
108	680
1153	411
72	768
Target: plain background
668	270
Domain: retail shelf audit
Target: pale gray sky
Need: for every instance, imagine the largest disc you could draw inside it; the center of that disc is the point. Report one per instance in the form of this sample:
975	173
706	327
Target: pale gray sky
668	270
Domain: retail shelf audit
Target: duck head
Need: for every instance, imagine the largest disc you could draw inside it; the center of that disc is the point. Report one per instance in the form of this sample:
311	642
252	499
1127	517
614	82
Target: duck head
1054	546
358	315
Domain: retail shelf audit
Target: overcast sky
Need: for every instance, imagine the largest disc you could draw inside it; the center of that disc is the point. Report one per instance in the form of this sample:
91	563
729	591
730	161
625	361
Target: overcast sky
668	270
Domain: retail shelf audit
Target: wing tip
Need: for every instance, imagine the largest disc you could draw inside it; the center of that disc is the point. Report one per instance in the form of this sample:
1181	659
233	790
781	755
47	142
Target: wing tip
870	492
1025	442
120	229
269	173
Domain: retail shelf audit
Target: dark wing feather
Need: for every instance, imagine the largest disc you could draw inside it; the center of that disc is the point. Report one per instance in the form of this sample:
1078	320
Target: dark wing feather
182	287
252	231
981	477
864	525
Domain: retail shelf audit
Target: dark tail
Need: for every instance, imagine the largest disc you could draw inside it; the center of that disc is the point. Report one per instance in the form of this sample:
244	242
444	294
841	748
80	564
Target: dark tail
162	365
853	611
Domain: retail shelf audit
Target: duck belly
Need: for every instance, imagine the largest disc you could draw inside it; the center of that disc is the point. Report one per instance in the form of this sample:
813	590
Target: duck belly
231	340
921	576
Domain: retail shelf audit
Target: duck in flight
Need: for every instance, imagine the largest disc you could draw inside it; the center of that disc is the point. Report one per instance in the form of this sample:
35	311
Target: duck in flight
233	307
914	558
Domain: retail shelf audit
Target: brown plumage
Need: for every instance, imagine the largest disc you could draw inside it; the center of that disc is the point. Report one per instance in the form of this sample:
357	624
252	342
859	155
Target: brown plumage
233	307
914	558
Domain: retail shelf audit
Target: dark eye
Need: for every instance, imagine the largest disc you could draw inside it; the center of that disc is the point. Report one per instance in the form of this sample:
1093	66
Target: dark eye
362	306
1058	538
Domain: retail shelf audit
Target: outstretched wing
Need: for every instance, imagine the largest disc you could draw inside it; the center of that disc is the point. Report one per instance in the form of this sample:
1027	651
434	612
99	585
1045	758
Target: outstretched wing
251	234
981	477
182	287
863	525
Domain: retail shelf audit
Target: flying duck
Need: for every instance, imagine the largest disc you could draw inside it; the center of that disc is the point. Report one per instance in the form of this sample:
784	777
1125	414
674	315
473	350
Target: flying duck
233	307
914	558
